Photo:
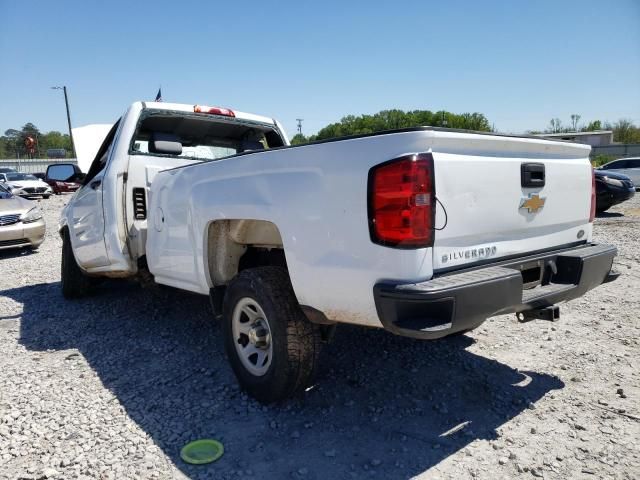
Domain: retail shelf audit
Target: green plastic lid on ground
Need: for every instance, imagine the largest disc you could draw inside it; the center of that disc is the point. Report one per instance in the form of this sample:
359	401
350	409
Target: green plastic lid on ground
202	451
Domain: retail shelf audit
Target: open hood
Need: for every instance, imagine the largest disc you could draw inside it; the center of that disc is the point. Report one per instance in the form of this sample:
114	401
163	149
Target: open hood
87	140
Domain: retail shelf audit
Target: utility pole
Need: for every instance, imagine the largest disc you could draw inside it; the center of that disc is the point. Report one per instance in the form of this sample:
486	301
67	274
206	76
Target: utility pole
443	122
66	103
299	120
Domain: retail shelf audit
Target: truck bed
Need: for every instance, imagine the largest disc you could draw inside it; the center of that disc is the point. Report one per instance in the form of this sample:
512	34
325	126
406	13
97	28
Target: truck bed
316	195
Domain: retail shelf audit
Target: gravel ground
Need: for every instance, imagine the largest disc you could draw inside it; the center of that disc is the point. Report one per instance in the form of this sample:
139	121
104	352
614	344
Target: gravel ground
114	385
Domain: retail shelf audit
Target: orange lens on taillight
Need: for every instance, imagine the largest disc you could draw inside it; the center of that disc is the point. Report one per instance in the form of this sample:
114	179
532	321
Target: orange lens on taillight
402	202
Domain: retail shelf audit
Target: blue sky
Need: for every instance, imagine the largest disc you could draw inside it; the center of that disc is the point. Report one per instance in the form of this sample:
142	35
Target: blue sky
519	63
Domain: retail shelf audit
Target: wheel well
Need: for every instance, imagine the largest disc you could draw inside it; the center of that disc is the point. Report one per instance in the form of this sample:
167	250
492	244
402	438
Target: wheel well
236	245
262	257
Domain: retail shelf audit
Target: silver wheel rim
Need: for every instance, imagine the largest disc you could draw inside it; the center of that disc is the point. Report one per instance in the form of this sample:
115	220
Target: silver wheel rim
252	336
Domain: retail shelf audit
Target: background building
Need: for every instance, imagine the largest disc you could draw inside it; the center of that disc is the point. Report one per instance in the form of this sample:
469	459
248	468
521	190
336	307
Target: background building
596	138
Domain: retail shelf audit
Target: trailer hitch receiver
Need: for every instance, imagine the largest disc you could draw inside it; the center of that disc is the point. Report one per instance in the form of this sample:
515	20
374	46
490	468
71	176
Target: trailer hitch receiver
551	314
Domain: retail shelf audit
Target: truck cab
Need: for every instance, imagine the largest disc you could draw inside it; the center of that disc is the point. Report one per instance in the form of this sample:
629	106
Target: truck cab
107	219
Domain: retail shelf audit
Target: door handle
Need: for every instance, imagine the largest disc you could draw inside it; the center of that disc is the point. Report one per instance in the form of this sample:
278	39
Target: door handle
95	184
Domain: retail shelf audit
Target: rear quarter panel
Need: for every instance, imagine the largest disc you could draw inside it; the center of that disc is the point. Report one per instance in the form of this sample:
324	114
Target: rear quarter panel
317	197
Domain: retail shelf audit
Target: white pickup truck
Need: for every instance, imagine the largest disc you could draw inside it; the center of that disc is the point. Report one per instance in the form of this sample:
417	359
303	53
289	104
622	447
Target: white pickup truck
424	232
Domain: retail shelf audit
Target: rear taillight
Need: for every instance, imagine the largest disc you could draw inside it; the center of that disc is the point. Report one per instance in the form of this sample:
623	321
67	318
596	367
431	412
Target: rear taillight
592	213
402	202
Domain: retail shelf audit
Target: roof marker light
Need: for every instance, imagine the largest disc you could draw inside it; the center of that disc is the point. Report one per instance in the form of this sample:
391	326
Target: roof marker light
225	112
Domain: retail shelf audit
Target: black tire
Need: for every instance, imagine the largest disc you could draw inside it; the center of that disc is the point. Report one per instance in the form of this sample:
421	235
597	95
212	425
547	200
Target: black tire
75	283
296	342
46	197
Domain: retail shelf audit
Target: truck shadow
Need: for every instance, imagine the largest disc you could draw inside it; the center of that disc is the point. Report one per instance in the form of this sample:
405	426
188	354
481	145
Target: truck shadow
609	214
383	403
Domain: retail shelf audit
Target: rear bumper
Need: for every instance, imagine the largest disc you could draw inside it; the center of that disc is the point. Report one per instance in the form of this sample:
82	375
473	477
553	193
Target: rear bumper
463	300
613	196
65	188
624	195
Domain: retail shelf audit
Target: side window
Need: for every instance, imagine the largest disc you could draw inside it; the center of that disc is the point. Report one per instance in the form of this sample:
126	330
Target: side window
617	164
635	163
198	136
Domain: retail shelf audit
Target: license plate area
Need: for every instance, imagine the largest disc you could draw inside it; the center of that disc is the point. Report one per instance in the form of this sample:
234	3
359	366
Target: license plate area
531	274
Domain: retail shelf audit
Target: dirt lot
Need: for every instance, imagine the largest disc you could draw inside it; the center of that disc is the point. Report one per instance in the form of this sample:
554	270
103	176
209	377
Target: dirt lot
114	385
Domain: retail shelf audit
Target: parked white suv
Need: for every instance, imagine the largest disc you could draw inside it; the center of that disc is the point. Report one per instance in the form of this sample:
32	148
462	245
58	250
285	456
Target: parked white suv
627	166
424	232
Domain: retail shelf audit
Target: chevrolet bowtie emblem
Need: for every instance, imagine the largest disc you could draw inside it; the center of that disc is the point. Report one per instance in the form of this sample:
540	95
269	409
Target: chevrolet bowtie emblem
533	203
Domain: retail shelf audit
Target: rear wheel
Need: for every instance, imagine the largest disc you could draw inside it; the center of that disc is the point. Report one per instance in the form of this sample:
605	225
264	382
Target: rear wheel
271	345
75	283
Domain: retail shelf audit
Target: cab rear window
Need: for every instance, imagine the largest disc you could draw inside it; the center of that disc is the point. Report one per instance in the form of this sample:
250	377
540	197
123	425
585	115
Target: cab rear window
199	136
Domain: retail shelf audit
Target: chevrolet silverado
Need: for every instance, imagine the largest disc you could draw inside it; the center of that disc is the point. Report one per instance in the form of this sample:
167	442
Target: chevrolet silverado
424	232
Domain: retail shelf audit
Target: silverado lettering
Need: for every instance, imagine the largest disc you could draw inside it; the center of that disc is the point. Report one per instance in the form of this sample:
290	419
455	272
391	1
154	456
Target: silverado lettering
467	254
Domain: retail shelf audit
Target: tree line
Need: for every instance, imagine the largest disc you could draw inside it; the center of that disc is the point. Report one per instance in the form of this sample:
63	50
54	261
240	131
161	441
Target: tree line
395	119
624	130
12	143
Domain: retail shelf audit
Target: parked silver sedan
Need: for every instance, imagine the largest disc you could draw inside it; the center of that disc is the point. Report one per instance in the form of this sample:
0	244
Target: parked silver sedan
627	166
21	222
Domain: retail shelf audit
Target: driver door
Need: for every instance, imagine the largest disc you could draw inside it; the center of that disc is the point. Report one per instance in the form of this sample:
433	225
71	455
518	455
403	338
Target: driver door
86	215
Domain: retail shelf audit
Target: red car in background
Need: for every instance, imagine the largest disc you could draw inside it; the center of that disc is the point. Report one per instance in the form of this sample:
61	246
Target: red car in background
64	177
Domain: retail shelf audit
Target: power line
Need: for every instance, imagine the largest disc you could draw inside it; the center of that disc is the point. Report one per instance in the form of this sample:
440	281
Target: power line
299	120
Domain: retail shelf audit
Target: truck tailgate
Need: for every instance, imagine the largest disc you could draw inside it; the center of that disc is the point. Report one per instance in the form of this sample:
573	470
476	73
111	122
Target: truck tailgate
486	210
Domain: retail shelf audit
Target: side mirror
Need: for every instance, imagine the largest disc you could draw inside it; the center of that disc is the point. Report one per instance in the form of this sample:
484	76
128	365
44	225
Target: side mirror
61	172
